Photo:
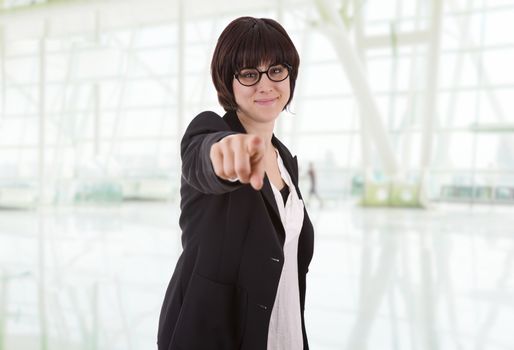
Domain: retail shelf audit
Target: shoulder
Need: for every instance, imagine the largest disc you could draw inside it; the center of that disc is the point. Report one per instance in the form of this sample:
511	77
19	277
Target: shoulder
207	121
207	118
208	114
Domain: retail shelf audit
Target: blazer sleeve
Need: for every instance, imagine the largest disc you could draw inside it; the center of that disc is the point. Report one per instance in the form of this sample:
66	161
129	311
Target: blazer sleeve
204	130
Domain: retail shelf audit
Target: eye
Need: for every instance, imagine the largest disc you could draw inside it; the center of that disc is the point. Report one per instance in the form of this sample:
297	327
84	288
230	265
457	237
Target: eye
276	69
248	74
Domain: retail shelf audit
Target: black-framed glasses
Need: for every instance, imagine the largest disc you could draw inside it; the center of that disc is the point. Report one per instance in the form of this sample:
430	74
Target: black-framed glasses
251	76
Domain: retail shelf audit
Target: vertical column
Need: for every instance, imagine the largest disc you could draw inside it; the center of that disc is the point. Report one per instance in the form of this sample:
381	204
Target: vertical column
42	117
96	96
96	120
42	191
2	72
432	70
365	137
180	73
181	37
480	88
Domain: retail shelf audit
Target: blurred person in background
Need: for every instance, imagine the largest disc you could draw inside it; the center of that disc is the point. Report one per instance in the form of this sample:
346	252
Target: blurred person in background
247	239
313	192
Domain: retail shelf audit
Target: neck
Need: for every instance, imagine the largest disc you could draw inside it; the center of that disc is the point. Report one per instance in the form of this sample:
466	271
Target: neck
264	130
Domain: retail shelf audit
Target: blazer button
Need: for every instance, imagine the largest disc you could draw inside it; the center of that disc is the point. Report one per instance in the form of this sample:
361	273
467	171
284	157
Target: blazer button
275	259
264	307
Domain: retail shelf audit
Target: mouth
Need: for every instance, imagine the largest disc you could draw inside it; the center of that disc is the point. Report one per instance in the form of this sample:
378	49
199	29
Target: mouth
266	101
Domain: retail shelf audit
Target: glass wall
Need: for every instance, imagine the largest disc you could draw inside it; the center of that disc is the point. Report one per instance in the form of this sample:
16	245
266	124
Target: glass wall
96	115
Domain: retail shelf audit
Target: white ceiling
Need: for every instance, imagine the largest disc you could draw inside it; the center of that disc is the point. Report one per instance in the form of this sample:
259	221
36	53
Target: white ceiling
65	17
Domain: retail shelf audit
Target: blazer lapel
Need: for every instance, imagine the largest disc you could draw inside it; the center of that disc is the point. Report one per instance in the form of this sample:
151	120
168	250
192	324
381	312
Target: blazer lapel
269	196
291	164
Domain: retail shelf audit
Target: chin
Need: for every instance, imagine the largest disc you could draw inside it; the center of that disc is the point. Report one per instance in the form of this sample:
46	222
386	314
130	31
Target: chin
269	112
268	116
261	114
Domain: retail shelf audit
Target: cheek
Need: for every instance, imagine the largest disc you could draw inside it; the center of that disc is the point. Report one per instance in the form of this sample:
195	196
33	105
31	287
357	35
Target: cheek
235	90
285	89
240	92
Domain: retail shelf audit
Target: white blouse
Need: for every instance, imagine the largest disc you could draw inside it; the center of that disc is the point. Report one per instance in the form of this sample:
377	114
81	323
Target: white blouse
285	328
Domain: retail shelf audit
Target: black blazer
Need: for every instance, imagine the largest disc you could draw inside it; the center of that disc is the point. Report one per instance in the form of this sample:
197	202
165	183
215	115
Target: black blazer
222	292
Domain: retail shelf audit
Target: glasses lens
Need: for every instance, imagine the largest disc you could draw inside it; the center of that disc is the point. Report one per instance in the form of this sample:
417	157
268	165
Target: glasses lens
278	72
248	76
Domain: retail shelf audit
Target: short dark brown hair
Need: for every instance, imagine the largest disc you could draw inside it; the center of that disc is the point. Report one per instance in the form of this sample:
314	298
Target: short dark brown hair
249	42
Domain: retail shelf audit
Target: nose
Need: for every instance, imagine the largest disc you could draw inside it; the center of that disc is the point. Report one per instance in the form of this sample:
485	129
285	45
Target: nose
265	84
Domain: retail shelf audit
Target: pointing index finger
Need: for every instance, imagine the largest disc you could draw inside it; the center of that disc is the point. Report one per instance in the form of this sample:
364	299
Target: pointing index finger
255	146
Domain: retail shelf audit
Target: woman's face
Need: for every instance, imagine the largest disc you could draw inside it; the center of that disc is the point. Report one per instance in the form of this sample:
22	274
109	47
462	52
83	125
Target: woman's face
263	101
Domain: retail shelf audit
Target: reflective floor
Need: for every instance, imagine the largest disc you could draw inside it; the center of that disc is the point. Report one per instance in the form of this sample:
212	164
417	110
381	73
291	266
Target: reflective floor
93	278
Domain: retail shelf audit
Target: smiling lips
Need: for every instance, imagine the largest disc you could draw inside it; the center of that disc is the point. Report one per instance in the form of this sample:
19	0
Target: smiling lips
266	101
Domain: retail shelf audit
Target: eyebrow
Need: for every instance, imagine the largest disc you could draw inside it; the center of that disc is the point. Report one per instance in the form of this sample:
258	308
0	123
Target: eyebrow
265	67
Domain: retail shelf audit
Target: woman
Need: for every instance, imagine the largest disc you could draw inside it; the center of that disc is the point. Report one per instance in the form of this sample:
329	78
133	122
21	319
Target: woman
247	240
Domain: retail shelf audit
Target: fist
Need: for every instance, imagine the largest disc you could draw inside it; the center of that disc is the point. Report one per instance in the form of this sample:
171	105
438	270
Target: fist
239	156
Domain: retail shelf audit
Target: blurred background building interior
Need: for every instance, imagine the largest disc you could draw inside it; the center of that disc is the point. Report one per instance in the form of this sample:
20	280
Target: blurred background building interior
403	112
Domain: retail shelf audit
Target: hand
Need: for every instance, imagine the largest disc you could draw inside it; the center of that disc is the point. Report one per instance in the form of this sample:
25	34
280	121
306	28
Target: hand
239	156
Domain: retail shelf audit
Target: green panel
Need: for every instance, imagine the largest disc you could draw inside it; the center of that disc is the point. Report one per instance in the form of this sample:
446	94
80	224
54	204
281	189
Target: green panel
99	192
391	195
